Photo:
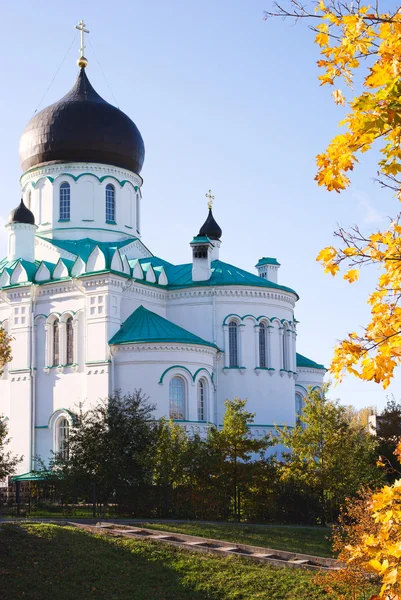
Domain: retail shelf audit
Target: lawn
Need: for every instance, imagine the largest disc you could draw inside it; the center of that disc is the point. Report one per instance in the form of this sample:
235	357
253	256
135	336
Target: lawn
42	561
307	540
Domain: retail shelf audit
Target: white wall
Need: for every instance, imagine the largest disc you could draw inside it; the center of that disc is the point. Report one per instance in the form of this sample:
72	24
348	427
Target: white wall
271	394
142	367
88	183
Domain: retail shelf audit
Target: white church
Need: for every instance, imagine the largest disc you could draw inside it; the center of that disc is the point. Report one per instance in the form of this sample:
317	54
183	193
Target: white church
92	310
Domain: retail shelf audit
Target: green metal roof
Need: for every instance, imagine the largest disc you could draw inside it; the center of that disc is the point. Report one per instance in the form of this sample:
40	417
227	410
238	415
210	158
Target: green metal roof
84	247
201	239
180	276
30	267
145	326
303	361
267	261
31	476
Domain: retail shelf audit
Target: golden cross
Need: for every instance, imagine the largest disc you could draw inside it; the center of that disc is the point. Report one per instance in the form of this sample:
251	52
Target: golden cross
81	27
211	198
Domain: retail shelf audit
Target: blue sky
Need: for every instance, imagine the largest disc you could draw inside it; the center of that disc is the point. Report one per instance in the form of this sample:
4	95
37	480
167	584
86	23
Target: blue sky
224	100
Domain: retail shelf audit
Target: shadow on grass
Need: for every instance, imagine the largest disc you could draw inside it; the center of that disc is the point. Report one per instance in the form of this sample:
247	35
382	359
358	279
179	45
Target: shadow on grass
48	561
43	561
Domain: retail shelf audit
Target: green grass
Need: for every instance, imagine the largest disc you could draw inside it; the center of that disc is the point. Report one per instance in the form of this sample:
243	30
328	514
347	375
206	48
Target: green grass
306	540
43	561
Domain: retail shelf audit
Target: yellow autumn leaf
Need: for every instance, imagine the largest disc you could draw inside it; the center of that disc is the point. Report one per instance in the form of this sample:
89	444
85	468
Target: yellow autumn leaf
352	275
338	97
375	565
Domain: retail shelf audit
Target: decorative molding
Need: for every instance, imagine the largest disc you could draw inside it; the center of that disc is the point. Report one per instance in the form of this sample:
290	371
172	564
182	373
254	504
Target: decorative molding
239	293
53	172
160	347
301	370
185	369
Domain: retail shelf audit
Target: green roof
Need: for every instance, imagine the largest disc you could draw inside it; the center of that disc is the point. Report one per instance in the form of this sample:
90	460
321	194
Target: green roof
145	326
201	239
32	476
303	361
180	276
267	261
84	247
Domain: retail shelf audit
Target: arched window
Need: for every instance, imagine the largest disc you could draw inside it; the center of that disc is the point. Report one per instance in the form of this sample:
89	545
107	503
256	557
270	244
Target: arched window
299	405
233	343
62	431
263	346
65	201
56	343
110	203
177	398
201	400
70	341
285	349
29	199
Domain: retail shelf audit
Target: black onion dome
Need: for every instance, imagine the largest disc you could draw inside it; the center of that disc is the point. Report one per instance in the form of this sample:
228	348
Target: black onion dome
82	127
211	228
21	214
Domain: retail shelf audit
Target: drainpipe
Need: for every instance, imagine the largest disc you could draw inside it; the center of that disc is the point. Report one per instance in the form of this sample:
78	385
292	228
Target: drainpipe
111	373
33	376
216	375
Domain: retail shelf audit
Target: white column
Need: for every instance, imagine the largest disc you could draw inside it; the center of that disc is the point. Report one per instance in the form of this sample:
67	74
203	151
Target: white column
241	361
269	330
62	342
281	344
226	347
257	357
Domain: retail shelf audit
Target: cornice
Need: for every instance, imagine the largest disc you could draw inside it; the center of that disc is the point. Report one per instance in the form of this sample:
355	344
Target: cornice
156	347
232	292
310	370
47	289
77	168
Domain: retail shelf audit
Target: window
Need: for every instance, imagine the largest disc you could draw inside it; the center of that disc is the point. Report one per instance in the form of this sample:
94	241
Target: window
65	201
177	398
62	432
29	199
70	341
56	343
110	203
263	346
299	405
285	349
201	400
233	343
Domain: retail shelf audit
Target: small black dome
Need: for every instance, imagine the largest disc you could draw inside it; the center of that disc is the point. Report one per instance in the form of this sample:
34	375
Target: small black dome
21	214
82	127
211	228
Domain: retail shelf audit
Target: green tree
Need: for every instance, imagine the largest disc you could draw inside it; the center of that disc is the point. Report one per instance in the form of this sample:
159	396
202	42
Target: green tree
237	448
171	457
388	432
8	461
5	349
329	454
109	447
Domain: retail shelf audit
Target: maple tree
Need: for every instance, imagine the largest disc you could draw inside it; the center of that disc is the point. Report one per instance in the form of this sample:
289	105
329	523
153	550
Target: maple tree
358	40
8	461
5	349
372	541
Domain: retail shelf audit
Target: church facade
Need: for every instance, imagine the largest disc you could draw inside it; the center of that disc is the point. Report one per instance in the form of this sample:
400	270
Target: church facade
91	310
